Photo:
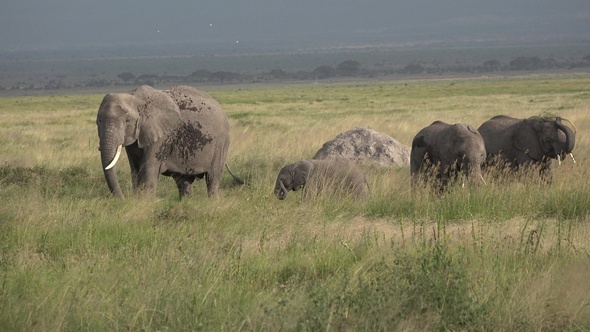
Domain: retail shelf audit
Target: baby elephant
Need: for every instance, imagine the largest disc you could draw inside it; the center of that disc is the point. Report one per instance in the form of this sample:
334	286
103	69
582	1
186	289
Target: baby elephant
445	151
340	176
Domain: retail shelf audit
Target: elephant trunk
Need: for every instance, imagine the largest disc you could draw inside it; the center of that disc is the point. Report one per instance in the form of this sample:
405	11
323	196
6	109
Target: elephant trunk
473	173
109	155
281	191
570	138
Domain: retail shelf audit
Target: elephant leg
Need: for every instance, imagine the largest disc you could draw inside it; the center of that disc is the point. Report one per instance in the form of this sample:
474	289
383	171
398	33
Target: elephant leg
134	156
416	165
134	165
148	176
545	171
443	178
214	174
415	178
184	183
213	180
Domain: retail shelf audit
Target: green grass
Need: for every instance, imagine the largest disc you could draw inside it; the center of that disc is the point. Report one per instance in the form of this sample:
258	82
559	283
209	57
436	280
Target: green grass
511	255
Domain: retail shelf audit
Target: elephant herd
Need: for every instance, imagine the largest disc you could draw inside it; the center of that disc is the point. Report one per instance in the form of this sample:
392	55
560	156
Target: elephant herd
183	133
447	150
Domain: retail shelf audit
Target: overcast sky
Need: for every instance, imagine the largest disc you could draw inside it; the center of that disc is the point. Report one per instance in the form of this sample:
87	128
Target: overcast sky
38	23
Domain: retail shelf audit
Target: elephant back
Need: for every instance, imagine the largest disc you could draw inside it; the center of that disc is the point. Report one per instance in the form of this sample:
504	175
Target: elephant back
152	99
498	133
198	106
192	100
497	125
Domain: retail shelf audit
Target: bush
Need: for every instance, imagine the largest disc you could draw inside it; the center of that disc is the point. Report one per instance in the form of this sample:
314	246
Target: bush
324	72
126	77
491	65
348	67
413	69
525	63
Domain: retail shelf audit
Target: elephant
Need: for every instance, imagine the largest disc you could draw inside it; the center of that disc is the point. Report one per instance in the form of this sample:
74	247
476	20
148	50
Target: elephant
180	132
446	151
340	176
533	141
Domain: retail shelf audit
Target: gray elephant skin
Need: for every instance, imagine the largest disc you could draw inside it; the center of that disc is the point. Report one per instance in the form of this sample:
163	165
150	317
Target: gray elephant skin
533	141
180	132
445	151
339	176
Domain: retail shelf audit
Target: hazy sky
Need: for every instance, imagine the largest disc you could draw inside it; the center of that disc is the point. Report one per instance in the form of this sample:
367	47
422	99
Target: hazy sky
38	23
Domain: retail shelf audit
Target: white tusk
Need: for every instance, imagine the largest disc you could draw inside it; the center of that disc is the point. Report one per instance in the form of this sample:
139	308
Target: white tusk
484	181
114	159
572	155
559	159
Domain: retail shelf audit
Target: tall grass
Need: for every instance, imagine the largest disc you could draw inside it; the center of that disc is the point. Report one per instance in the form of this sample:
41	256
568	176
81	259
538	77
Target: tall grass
511	255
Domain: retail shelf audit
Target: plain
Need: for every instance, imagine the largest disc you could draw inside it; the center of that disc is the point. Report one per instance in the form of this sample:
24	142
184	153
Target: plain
511	255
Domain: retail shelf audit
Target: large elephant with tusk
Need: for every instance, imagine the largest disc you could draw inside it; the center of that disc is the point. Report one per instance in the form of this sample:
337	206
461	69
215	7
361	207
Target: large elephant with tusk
181	132
533	141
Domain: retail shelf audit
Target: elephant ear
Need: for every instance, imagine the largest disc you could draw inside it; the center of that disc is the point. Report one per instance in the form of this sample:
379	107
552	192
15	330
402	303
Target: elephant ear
301	173
527	139
131	130
159	115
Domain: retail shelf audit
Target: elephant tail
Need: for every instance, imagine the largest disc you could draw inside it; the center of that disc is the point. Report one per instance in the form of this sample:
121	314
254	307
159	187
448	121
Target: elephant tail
237	179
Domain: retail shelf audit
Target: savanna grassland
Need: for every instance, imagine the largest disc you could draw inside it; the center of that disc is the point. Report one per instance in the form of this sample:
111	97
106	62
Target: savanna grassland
513	255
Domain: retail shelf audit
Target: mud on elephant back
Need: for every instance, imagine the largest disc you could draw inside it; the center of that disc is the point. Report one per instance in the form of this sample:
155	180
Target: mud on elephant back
180	132
533	142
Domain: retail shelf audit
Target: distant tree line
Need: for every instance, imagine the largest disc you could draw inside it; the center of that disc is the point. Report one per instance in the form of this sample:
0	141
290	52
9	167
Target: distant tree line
347	68
352	68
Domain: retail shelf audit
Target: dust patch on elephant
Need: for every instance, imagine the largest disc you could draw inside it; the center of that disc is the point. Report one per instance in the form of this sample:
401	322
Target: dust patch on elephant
184	142
144	108
186	102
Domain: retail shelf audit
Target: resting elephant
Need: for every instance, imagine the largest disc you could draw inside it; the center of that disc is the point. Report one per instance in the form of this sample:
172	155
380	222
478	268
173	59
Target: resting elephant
534	141
445	151
340	176
180	132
